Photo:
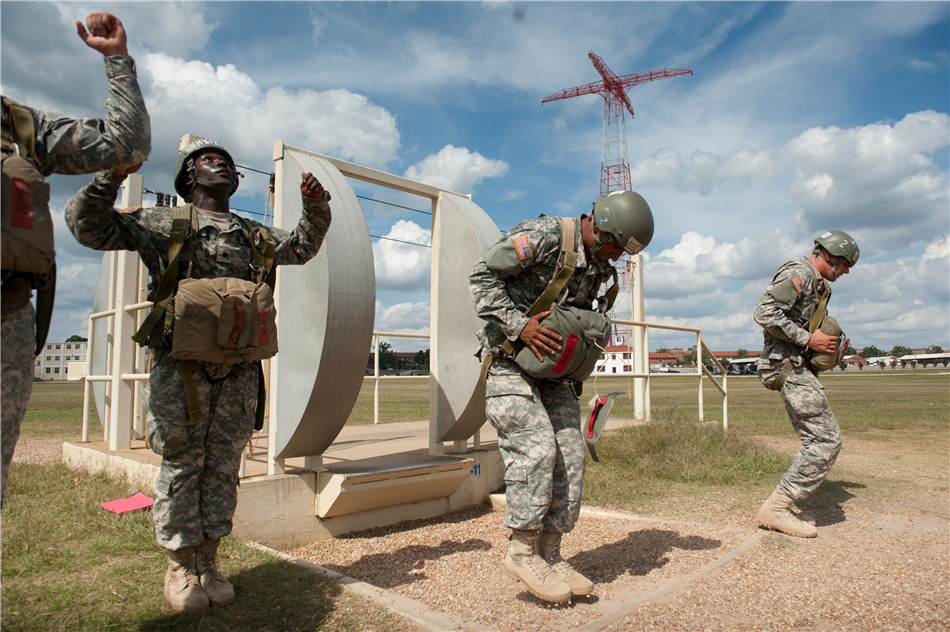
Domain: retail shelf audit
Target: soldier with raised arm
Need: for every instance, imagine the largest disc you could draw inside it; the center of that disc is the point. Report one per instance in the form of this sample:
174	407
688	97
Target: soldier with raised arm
200	412
36	145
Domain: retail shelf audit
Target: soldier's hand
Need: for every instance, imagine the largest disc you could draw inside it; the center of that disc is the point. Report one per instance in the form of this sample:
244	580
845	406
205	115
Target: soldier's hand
822	342
124	171
106	34
538	338
310	187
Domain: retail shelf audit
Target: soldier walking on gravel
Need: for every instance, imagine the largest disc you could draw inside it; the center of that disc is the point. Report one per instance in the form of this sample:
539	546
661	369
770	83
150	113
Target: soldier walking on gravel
800	340
538	420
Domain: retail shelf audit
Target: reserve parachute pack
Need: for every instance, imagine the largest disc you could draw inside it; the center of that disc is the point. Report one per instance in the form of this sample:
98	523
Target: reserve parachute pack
584	332
819	361
27	226
222	321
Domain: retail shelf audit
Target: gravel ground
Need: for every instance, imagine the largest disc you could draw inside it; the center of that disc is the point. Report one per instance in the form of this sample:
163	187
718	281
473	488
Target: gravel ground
875	565
865	571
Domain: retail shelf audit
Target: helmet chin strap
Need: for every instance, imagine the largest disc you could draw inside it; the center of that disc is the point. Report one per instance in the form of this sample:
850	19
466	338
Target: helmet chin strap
598	242
834	266
220	184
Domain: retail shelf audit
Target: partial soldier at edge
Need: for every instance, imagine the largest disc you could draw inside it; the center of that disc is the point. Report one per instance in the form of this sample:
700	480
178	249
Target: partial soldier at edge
801	340
36	145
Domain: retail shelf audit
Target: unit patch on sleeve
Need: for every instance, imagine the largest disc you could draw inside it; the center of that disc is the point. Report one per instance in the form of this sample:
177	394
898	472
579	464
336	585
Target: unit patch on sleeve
523	247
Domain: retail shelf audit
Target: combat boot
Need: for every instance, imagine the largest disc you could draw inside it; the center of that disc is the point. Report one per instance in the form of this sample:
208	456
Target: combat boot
523	563
775	514
804	517
219	590
549	547
182	588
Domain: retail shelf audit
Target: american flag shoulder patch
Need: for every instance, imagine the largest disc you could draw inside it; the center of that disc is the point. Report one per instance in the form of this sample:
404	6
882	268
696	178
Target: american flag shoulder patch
799	286
523	247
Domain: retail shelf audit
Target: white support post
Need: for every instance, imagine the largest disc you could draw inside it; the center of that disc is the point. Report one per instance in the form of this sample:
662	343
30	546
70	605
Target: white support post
641	356
436	447
699	367
140	361
123	350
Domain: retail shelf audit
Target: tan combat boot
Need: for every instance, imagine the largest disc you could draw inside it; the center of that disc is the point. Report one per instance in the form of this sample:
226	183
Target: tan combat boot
523	563
804	517
549	547
218	589
182	588
775	514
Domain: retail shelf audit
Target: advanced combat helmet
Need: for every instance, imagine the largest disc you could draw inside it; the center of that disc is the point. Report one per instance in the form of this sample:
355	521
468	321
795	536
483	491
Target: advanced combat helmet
840	244
193	150
625	216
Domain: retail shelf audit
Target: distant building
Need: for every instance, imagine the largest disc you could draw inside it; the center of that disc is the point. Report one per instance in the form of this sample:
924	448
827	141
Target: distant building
61	361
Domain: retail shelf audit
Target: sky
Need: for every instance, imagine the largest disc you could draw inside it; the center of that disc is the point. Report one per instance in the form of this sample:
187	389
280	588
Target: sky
799	117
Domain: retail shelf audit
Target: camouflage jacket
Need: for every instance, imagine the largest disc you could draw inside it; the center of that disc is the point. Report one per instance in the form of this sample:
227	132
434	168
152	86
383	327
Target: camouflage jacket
786	307
226	253
74	146
515	271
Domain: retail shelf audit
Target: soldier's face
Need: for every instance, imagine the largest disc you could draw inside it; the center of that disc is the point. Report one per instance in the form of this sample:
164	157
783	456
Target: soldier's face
609	248
212	165
836	267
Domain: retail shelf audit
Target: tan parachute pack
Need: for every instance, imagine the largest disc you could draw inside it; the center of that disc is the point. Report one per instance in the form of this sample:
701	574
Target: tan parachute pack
584	332
223	321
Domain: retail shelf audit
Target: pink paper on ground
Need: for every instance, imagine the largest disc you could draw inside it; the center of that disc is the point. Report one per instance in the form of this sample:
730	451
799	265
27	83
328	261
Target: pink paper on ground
122	505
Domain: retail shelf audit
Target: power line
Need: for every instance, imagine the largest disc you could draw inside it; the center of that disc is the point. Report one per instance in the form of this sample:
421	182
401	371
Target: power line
411	243
414	210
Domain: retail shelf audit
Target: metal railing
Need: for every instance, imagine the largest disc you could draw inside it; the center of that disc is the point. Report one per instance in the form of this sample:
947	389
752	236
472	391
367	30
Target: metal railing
377	378
700	372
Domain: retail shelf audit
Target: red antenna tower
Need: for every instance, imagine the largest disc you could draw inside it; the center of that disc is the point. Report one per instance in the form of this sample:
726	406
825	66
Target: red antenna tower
614	167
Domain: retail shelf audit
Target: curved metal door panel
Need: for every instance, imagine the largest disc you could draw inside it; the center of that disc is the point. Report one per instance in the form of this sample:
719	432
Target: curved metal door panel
325	312
457	394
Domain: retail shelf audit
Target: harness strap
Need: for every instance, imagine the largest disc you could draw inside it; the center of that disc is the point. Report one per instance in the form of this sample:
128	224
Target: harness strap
153	327
821	310
261	397
187	369
45	295
787	368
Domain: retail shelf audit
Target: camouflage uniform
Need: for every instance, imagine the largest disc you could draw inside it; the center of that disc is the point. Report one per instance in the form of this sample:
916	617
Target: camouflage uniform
65	146
196	490
538	421
784	311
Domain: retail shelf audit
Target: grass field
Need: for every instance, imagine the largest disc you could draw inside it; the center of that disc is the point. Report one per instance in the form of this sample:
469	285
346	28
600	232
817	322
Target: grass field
69	565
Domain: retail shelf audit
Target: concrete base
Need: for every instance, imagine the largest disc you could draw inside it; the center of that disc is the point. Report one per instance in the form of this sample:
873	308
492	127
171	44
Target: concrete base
281	511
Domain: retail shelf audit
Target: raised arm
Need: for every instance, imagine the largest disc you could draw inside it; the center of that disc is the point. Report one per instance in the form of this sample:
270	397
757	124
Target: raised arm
72	146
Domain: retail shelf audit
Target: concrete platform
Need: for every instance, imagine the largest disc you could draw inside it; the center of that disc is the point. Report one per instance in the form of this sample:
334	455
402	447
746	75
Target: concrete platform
371	476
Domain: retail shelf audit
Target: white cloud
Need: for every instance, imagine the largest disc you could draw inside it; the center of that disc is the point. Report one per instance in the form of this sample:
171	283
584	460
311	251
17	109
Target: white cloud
226	105
180	26
877	177
400	263
407	318
456	169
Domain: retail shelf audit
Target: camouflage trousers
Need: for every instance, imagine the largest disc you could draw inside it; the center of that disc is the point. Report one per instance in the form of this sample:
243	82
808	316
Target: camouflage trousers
811	416
539	437
17	338
196	489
